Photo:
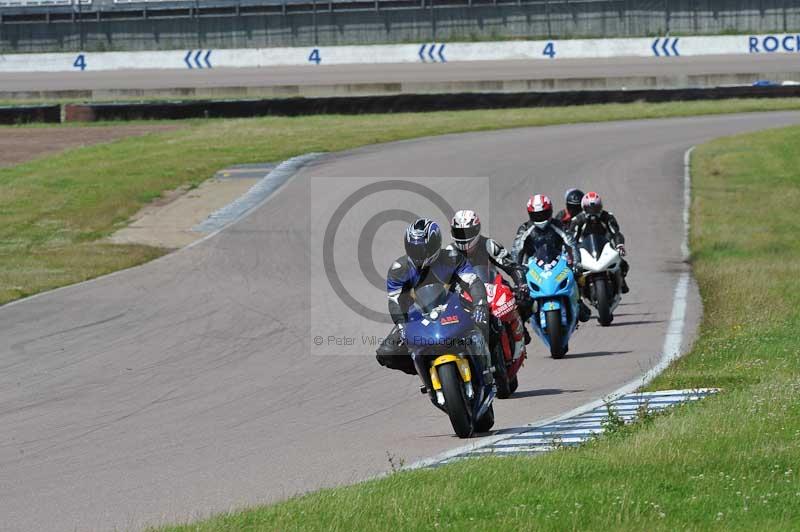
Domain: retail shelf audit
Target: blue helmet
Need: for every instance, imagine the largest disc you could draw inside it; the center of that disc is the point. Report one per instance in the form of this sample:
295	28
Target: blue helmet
423	242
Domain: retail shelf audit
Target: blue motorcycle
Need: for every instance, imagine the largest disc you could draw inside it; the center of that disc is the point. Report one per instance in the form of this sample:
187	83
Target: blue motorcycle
443	341
556	300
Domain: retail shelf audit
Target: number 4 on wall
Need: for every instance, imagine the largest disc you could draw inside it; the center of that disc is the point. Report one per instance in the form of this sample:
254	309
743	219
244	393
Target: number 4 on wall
80	62
314	57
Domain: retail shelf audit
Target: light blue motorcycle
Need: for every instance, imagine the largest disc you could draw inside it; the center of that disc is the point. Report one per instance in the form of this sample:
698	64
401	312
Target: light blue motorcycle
556	300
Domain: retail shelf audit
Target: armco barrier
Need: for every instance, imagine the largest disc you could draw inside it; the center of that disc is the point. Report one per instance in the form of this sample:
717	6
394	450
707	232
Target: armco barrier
403	103
30	113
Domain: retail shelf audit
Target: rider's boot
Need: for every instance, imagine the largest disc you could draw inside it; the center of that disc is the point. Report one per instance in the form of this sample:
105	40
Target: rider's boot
623	273
519	350
584	313
519	334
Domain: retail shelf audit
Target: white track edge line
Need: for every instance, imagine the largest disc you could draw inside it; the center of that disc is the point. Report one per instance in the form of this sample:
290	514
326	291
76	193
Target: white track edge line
669	353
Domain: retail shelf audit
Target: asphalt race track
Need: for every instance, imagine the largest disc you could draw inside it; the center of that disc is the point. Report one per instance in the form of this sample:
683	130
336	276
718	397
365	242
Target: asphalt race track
183	387
773	66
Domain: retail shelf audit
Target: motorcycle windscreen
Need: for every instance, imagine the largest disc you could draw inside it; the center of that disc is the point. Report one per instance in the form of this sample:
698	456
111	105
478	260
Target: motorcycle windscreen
594	244
430	296
546	252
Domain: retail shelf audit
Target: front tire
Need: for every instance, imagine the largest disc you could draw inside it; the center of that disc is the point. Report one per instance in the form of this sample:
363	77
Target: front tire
555	333
514	383
486	422
455	400
601	291
501	374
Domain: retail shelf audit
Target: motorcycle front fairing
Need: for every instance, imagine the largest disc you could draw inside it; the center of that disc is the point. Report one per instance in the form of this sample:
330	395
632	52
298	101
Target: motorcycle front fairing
438	323
552	287
438	333
599	260
598	256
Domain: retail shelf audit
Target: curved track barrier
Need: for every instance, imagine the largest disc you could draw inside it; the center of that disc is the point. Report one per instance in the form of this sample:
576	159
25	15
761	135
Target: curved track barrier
403	103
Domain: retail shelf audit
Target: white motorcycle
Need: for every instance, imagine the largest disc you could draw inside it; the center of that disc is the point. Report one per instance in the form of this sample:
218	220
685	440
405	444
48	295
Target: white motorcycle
602	275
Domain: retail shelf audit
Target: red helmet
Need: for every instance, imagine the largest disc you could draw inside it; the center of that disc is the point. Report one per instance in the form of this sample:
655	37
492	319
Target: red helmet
540	210
592	204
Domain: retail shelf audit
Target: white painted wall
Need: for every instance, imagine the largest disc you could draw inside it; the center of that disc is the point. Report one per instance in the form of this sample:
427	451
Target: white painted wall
405	53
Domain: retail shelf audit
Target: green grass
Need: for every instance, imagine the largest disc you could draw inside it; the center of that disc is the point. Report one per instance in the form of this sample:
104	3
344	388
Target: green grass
55	211
729	463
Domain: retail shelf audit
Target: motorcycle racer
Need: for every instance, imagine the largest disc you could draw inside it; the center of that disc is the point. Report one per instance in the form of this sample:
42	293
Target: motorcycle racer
425	262
541	230
572	208
485	254
595	220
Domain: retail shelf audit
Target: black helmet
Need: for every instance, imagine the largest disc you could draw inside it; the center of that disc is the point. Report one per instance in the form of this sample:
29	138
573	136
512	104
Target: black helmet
423	242
573	199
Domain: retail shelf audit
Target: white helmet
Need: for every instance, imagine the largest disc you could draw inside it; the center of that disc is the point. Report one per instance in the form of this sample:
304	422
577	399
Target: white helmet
465	227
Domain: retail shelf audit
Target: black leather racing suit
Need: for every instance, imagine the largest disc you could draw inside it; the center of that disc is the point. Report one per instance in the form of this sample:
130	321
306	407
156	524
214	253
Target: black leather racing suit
487	254
604	223
450	268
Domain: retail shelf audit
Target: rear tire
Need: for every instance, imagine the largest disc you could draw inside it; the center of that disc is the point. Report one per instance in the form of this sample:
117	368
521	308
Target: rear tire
601	291
555	333
455	400
486	422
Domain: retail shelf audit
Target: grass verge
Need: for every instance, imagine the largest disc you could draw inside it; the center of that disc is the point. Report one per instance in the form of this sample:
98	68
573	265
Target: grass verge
56	211
729	463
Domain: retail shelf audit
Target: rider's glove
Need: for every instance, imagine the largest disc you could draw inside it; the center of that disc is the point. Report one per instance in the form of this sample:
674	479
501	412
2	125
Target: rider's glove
481	316
520	284
523	292
401	328
621	250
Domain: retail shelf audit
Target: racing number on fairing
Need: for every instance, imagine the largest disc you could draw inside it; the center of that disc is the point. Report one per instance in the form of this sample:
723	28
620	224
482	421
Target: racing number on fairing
549	50
80	62
314	57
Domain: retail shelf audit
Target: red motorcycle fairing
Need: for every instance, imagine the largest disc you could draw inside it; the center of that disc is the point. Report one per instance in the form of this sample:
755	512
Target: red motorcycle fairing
503	306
